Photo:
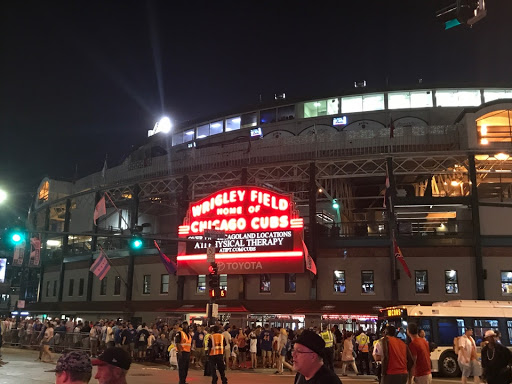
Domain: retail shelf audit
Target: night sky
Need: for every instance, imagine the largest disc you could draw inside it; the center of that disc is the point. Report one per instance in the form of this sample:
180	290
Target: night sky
83	79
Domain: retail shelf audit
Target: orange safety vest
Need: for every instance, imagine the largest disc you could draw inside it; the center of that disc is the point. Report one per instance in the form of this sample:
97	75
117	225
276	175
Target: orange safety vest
185	342
217	344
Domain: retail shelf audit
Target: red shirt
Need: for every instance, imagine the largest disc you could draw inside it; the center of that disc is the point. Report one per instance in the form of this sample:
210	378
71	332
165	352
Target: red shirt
397	353
421	351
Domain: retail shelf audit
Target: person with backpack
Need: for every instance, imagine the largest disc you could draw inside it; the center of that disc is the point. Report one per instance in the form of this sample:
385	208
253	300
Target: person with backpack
142	342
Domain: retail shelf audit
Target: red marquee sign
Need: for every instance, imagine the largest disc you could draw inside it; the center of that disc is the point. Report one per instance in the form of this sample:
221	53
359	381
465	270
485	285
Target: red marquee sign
263	233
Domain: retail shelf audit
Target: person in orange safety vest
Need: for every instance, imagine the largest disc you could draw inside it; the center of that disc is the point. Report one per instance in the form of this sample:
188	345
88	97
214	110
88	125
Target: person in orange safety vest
183	343
216	344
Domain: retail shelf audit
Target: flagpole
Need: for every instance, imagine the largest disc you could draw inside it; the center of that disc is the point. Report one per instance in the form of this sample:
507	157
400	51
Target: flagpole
112	265
118	211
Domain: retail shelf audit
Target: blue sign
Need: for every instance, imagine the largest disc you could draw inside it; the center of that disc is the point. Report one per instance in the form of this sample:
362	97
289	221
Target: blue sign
256	132
339	120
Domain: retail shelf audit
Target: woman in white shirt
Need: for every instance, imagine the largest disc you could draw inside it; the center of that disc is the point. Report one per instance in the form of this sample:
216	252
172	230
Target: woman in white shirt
47	338
347	356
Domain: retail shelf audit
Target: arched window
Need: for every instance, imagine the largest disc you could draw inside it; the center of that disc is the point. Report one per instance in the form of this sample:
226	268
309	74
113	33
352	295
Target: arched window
495	127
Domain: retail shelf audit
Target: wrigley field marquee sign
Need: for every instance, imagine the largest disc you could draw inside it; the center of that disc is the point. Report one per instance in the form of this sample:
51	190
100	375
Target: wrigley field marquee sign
263	233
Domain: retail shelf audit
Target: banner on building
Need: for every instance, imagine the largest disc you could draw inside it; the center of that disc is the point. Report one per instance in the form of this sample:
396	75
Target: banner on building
263	233
19	252
35	252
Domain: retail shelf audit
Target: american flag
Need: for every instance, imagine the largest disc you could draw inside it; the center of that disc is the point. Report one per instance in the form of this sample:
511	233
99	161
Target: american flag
101	266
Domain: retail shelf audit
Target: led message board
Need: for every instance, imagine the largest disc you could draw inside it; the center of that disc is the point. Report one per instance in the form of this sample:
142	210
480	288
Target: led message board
263	233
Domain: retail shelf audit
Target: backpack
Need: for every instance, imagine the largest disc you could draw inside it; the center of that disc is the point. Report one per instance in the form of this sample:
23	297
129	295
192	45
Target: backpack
456	344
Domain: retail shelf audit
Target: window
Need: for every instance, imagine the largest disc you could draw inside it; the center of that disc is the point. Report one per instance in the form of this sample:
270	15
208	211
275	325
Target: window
481	326
71	286
321	108
495	127
117	285
146	284
449	329
290	282
373	102
268	116
495	94
509	329
451	282
416	99
47	289
339	282
164	284
286	113
421	278
249	120
456	98
264	283
367	282
351	104
233	123
55	288
223	282
81	285
208	130
201	284
44	191
203	131
103	286
506	282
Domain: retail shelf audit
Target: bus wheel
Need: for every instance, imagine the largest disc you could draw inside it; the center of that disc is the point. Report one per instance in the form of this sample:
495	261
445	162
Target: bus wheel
448	365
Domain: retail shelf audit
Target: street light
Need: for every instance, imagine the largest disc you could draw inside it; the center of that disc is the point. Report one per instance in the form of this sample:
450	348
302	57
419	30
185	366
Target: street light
164	125
3	196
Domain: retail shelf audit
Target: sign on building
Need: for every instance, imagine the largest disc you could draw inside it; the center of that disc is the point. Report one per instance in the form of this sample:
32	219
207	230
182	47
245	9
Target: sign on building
263	233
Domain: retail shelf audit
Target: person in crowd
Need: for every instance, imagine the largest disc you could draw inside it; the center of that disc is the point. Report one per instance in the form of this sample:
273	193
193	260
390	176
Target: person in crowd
227	349
347	356
45	343
307	360
467	357
329	340
266	346
363	345
241	342
183	344
199	347
113	365
142	342
73	368
495	360
216	344
402	335
377	351
421	354
338	336
397	360
253	348
282	348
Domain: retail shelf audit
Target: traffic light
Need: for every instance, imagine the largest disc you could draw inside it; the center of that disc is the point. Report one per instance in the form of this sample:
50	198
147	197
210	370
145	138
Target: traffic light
335	204
213	269
214	281
218	293
136	243
15	237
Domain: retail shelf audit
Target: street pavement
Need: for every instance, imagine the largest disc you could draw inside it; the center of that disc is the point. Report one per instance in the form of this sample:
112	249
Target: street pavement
23	368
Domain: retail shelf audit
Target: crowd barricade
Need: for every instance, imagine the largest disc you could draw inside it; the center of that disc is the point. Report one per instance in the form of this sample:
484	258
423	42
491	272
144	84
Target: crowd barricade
62	341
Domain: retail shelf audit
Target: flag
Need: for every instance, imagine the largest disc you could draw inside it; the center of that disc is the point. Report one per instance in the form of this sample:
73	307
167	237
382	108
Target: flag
310	263
391	127
100	209
400	258
387	188
101	266
169	265
104	170
35	252
19	252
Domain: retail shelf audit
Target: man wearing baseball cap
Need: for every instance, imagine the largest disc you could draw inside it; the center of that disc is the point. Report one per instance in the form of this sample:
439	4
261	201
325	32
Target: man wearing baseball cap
495	359
113	365
73	368
308	361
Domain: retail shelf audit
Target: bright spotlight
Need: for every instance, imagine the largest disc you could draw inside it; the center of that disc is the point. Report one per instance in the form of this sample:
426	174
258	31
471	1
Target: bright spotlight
164	125
3	196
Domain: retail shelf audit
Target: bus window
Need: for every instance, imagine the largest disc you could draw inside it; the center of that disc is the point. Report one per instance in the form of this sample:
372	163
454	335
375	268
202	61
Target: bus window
481	326
449	329
426	325
509	329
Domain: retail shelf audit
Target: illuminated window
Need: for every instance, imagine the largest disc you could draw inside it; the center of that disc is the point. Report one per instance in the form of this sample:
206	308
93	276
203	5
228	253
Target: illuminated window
495	127
81	285
481	326
203	131
339	282
421	280
268	116
164	284
44	191
201	284
290	282
367	284
233	123
223	282
373	102
506	282
146	284
496	94
249	120
458	98
321	108
451	282
117	285
264	283
71	287
415	99
351	104
286	113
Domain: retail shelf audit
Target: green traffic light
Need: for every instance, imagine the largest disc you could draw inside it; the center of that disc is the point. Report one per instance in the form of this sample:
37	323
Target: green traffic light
16	238
136	243
335	204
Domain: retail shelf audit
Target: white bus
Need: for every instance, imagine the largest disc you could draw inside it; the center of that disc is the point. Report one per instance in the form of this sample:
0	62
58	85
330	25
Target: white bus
444	321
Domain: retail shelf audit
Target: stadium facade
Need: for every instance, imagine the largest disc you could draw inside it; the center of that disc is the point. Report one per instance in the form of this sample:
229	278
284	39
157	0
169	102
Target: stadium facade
430	168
